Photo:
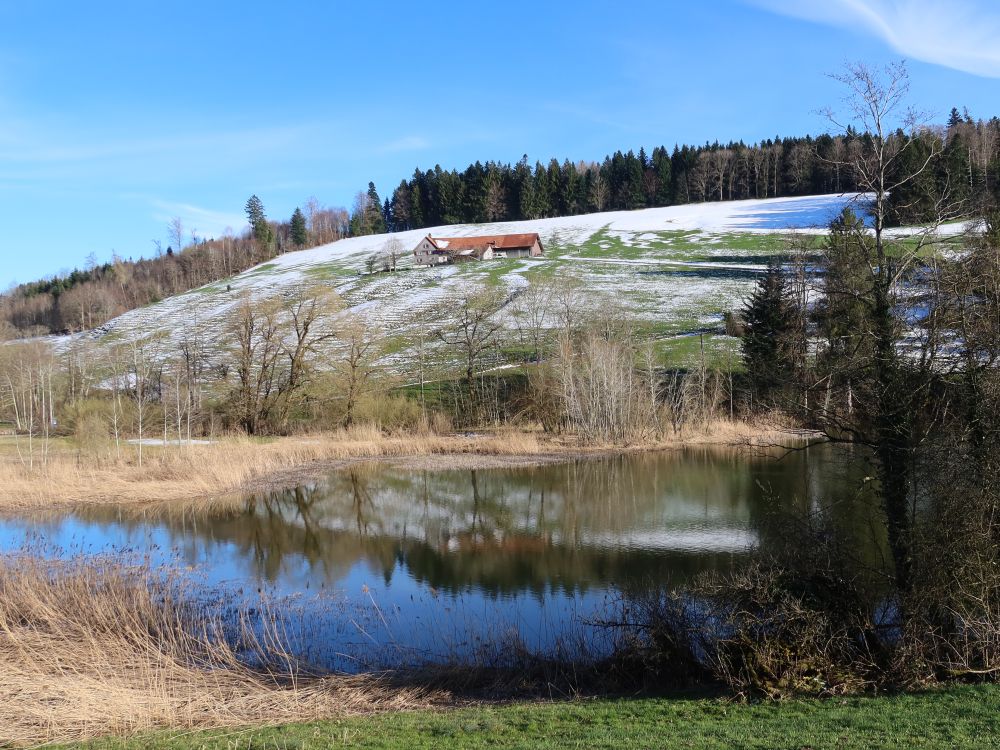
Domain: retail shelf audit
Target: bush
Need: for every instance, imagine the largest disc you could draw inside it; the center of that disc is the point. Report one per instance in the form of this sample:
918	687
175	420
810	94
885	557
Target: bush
811	618
390	412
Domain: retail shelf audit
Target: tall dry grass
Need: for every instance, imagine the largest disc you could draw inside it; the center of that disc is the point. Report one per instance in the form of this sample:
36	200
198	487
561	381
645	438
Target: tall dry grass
231	464
90	649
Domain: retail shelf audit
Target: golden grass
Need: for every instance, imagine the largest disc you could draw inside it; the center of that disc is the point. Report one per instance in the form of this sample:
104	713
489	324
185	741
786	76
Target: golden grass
775	429
235	464
228	465
90	649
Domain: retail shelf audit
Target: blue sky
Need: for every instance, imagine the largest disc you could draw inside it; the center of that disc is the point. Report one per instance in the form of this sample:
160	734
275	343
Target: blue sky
117	116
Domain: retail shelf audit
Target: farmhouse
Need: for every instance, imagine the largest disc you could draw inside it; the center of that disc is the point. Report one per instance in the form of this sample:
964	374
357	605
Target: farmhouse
433	251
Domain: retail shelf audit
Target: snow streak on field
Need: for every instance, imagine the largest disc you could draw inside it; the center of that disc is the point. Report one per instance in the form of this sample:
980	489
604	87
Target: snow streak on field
676	269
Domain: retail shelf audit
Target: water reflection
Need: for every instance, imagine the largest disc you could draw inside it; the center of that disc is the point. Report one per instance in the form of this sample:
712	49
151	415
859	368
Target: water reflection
526	548
568	526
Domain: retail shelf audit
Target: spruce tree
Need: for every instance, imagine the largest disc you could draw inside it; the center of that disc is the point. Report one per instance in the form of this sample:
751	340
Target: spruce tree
387	215
300	236
255	212
401	207
664	187
543	205
373	221
635	188
772	339
841	312
259	226
416	207
913	199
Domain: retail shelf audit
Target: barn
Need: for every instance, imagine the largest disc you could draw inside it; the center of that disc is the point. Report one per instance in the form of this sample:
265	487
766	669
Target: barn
433	251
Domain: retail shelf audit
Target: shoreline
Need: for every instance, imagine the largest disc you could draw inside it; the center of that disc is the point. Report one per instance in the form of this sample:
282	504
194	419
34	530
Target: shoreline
472	461
238	465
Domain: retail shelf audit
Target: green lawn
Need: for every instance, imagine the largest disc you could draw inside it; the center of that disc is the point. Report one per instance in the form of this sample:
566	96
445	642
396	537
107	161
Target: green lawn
965	717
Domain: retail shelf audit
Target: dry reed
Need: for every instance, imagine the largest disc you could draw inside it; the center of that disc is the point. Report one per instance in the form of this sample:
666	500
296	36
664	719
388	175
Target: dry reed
91	648
227	465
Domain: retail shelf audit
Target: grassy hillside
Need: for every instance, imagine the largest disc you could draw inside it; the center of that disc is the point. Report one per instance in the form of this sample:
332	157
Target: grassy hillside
675	270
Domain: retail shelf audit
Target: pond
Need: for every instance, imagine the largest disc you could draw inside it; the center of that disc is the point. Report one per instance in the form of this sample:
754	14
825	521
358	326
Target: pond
380	566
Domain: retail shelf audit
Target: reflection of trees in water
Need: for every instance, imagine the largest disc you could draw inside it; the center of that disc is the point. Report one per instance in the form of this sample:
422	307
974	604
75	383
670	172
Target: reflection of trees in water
566	526
830	493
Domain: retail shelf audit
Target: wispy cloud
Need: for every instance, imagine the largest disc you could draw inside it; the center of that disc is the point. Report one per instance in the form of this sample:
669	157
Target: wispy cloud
406	143
26	144
960	34
595	115
205	222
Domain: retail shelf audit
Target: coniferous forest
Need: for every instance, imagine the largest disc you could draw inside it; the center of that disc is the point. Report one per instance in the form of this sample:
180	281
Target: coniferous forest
687	174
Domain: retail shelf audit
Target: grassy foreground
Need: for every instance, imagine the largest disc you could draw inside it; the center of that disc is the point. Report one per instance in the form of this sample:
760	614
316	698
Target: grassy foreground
961	717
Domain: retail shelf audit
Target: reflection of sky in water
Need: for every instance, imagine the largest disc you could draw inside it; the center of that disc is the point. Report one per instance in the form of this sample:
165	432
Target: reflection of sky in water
387	565
360	620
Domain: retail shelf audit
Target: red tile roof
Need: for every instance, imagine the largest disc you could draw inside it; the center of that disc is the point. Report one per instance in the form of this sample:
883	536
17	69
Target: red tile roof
498	241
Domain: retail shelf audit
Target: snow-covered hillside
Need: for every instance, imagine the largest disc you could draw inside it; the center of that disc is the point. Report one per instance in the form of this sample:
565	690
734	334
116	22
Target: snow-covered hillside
677	267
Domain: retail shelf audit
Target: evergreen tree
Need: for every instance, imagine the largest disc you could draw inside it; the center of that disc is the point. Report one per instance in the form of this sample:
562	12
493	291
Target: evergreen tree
259	226
494	200
635	173
431	197
523	190
417	205
449	195
374	222
772	343
913	200
401	220
956	168
543	205
841	312
255	211
473	179
661	168
299	234
387	219
571	187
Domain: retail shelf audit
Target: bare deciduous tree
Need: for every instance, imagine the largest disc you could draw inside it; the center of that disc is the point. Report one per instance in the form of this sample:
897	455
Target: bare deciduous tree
27	371
276	345
890	384
357	363
599	191
392	251
175	232
472	326
141	384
